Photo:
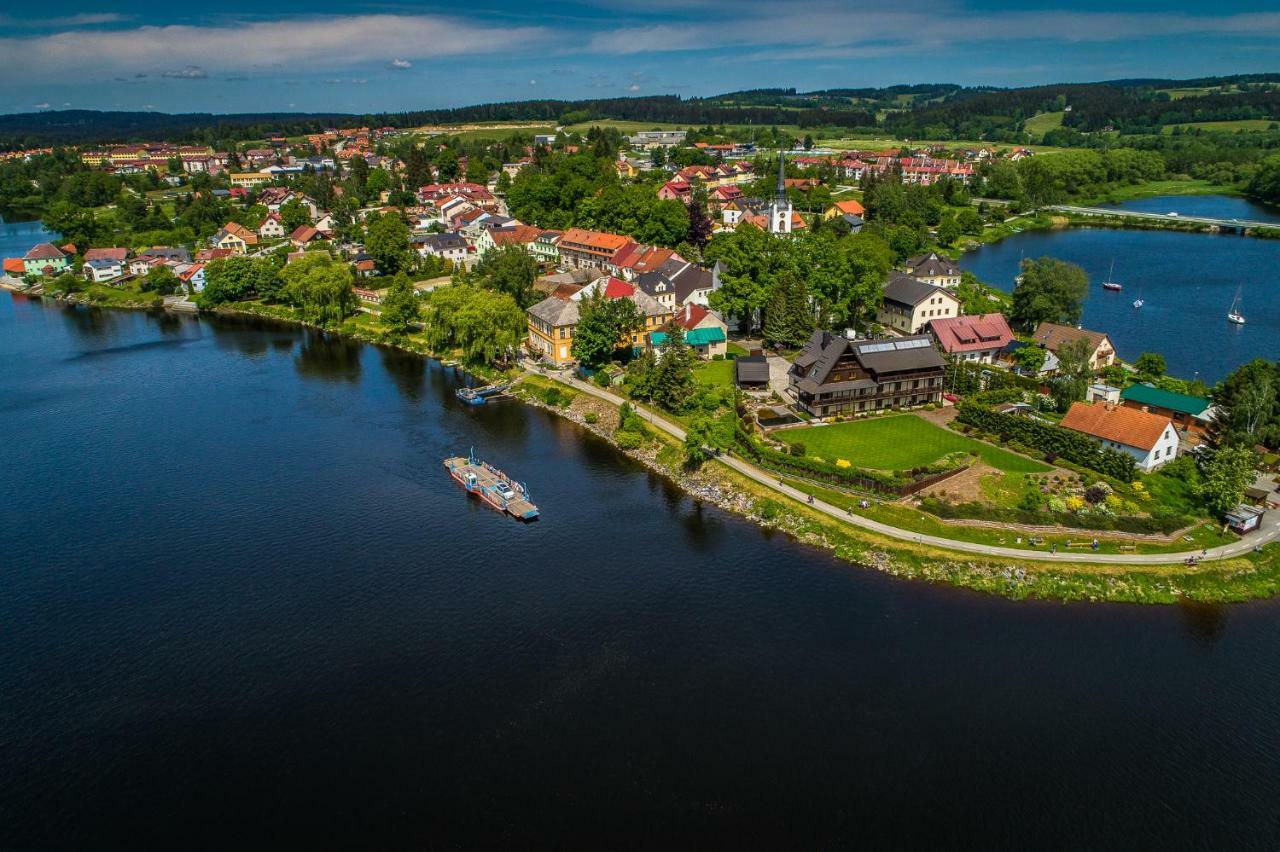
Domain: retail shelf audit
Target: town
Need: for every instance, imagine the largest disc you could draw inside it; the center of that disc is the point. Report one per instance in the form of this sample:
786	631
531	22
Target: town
799	308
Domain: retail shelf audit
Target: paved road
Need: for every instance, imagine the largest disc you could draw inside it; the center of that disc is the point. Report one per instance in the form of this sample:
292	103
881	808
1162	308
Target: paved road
1161	217
1269	532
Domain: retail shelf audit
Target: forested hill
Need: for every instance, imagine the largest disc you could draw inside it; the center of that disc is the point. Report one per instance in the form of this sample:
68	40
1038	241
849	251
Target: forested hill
919	111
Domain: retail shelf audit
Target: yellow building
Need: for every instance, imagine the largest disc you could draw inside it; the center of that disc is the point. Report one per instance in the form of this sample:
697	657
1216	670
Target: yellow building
248	179
551	325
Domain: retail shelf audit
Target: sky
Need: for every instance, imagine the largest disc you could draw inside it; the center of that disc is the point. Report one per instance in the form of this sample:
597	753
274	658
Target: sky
324	56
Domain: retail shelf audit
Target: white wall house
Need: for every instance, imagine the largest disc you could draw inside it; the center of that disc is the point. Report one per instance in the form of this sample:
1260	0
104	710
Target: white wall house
1151	439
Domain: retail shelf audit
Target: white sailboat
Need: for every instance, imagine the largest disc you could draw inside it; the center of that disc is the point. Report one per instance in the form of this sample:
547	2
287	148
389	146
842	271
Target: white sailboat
1234	314
1111	283
1139	302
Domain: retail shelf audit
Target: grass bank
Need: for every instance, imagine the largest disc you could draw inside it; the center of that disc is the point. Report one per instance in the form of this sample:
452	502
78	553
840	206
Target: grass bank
1239	579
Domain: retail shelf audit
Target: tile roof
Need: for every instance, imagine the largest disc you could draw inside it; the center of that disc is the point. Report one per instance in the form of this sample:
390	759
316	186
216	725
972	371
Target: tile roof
597	240
43	251
971	333
1129	426
14	266
851	206
1050	335
117	254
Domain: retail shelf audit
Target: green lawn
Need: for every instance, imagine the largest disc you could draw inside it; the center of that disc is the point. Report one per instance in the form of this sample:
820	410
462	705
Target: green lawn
736	351
1129	192
718	373
900	442
1044	122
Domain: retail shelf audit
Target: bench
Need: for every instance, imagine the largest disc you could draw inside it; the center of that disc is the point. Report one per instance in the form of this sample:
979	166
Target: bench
1079	544
1128	548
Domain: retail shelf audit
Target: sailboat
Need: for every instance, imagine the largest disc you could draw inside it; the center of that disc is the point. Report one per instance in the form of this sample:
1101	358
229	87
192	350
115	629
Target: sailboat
1139	302
1234	315
1111	283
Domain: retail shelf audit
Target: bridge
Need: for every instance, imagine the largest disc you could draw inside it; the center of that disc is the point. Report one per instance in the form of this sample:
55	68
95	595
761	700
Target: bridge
1226	225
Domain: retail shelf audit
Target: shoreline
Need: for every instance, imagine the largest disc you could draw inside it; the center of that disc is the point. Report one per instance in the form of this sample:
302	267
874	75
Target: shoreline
1231	580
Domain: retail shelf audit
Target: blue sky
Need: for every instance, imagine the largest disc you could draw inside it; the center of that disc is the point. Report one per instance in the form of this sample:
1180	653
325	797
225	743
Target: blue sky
393	55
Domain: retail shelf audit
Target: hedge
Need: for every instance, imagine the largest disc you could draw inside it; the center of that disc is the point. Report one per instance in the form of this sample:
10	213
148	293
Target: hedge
1118	523
1047	438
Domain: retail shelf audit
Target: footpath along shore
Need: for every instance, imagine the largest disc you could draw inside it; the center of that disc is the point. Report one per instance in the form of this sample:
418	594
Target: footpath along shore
1269	533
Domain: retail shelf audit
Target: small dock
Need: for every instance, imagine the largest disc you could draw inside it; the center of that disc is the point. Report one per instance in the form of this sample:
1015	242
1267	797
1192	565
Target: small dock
481	395
493	486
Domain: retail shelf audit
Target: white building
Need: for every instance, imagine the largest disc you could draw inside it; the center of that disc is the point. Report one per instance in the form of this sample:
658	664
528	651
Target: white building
1149	438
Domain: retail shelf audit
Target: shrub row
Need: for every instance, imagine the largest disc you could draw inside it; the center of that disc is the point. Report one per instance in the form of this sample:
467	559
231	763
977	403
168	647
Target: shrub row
1119	523
1050	439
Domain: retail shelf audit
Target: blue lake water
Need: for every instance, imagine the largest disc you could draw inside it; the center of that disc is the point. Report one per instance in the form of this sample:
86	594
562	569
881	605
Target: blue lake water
243	606
1188	282
17	237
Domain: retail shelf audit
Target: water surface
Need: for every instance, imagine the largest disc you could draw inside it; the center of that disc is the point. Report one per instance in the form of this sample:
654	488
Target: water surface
244	606
1187	282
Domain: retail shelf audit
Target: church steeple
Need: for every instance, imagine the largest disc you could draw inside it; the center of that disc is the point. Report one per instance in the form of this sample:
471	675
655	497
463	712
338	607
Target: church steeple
780	209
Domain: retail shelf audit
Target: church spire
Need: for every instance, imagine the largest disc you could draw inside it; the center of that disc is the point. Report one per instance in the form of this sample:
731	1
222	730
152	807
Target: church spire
780	192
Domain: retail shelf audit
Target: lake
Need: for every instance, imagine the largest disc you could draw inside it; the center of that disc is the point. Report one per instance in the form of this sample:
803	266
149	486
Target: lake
245	606
1187	281
16	238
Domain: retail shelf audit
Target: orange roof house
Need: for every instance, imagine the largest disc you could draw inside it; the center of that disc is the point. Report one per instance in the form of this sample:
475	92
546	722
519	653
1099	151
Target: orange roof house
1150	438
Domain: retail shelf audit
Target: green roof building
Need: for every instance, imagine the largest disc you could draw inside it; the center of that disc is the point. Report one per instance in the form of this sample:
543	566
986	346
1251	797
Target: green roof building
1183	409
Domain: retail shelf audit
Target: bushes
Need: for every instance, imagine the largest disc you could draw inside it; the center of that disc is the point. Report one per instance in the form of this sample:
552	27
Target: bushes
1056	514
797	449
1072	446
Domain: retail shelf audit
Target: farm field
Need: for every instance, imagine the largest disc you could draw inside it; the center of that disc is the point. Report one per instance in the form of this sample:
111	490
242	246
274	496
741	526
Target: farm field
899	442
1243	125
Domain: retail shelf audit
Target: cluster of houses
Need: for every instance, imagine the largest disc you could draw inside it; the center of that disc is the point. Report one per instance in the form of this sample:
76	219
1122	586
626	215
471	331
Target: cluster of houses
107	265
267	162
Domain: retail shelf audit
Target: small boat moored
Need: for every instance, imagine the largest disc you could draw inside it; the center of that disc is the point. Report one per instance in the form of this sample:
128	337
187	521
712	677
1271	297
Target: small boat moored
479	396
1111	283
1234	314
492	486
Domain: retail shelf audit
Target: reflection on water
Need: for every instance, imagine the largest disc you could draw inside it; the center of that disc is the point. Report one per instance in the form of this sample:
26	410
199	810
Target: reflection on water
330	357
1205	622
407	370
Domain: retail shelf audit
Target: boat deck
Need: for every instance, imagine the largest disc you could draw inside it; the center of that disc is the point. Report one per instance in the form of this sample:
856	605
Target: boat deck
486	480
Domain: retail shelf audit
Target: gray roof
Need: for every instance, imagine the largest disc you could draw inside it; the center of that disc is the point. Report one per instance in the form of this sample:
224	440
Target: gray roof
556	312
907	291
441	242
752	368
886	355
931	264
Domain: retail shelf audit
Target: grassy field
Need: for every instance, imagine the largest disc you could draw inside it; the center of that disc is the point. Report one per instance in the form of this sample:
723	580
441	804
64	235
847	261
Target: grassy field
1160	187
718	373
1244	125
1044	122
899	443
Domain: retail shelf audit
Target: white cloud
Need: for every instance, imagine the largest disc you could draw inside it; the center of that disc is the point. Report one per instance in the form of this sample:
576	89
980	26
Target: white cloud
300	44
40	106
400	64
634	87
533	82
830	30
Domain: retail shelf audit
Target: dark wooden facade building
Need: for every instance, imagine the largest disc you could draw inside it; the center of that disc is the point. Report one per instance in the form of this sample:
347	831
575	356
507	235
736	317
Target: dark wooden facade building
833	375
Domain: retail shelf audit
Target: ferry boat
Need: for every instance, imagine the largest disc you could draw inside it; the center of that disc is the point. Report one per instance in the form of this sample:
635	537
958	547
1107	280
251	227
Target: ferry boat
492	486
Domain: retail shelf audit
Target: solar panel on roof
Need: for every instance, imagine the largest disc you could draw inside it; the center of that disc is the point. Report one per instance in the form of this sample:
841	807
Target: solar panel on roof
876	347
918	343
